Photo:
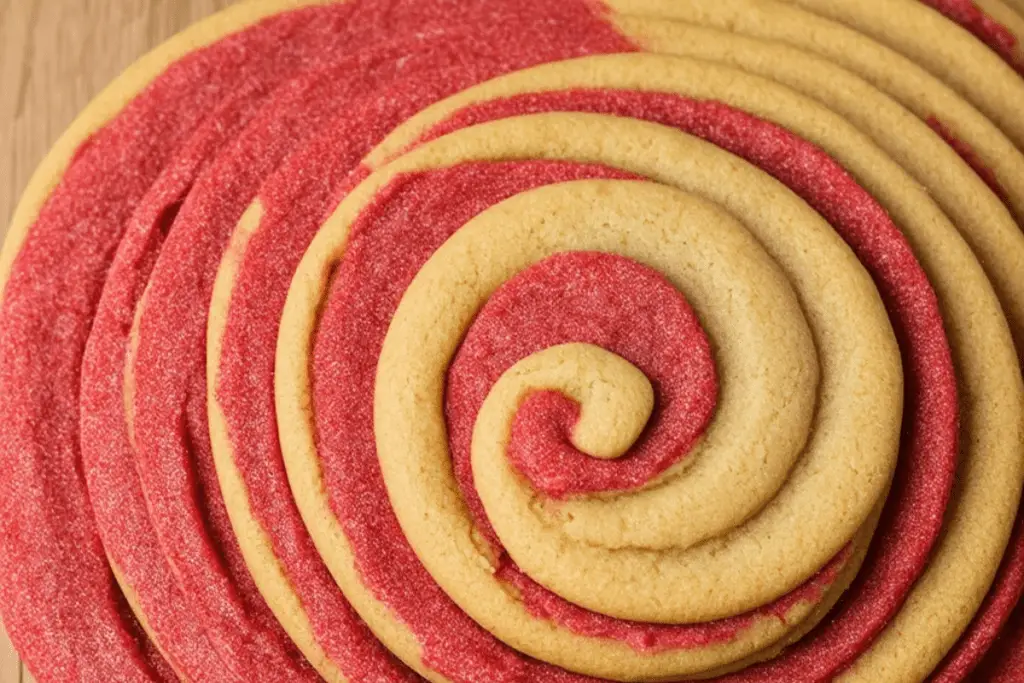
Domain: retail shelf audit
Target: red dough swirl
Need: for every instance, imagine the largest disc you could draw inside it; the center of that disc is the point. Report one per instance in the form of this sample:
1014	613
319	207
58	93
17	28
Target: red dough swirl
654	329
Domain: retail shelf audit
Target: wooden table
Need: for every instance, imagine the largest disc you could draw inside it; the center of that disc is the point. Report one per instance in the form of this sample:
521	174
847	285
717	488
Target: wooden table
54	56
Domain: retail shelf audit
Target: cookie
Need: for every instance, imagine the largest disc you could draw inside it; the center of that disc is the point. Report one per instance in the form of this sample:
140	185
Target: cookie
210	88
566	490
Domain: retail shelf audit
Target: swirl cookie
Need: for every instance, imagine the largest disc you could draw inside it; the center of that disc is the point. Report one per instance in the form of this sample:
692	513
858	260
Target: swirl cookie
629	367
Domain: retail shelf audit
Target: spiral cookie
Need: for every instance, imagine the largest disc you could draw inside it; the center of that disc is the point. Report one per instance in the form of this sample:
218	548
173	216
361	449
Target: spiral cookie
415	340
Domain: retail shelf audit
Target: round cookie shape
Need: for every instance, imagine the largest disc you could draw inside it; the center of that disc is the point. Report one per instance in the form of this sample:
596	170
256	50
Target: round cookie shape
557	486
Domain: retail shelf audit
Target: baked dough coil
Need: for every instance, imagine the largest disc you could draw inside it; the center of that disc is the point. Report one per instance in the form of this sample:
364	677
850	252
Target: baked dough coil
696	362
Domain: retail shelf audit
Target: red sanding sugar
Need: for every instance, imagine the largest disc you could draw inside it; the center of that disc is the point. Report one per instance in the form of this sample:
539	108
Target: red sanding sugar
914	512
594	299
990	620
968	14
1005	662
108	459
60	605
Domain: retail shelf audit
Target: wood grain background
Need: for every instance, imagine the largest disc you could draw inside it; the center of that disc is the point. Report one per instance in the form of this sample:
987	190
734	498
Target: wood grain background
55	55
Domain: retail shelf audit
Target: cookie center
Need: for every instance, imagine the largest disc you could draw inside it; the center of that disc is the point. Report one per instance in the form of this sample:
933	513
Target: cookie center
613	372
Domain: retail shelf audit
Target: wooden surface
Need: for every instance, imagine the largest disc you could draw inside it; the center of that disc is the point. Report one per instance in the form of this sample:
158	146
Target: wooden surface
55	55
